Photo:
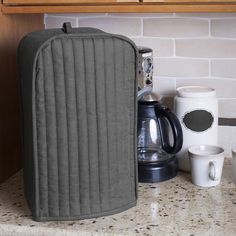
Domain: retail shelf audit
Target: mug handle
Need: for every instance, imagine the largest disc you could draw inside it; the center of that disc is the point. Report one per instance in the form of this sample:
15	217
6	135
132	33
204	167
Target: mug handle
213	171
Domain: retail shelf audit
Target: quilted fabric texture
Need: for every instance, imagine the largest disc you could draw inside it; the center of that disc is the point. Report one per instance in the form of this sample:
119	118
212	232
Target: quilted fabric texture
79	121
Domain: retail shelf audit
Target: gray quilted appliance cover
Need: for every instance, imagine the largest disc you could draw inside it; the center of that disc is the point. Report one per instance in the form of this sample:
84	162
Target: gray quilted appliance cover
78	91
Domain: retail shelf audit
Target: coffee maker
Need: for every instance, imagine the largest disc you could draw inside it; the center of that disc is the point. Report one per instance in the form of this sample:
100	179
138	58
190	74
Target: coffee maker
145	67
159	131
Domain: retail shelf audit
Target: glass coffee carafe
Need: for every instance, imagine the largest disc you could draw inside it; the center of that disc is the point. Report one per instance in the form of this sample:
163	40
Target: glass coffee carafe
159	138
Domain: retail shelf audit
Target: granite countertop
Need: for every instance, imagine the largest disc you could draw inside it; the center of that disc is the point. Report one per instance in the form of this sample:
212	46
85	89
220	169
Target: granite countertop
173	207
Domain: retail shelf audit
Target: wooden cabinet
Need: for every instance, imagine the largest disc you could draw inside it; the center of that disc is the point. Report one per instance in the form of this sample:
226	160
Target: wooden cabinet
13	28
204	2
128	6
63	2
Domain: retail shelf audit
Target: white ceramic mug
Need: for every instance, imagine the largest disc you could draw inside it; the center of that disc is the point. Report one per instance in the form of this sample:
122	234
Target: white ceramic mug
206	163
234	162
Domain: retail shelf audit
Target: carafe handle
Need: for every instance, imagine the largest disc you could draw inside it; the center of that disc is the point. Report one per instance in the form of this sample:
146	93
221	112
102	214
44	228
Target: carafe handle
175	127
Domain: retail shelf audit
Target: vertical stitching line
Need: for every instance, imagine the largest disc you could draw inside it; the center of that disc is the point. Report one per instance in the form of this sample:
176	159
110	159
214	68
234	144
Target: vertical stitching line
106	99
67	125
87	126
115	107
54	87
96	108
76	108
46	134
123	89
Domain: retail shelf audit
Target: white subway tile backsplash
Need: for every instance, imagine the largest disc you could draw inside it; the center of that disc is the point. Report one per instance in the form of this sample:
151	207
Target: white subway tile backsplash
227	108
206	48
218	28
225	88
175	27
227	138
126	26
160	47
181	67
223	68
164	86
57	22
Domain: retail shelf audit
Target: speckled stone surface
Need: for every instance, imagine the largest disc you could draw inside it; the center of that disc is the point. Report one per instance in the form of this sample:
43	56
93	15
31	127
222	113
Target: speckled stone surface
174	207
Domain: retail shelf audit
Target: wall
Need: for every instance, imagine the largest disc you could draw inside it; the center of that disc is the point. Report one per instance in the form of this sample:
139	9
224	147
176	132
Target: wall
189	49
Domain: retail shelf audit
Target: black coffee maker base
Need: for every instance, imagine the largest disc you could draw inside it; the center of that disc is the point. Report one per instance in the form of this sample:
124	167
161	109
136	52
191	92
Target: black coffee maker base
157	172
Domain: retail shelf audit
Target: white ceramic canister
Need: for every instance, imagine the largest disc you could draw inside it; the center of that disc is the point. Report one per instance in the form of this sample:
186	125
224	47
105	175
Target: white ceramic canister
197	109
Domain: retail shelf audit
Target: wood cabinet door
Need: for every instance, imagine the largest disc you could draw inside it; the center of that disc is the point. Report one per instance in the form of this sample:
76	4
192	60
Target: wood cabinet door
63	2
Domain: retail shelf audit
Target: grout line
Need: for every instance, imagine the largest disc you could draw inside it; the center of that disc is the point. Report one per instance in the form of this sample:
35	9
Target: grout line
195	78
184	58
194	38
210	38
180	38
223	78
154	37
163	77
224	58
201	58
226	99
